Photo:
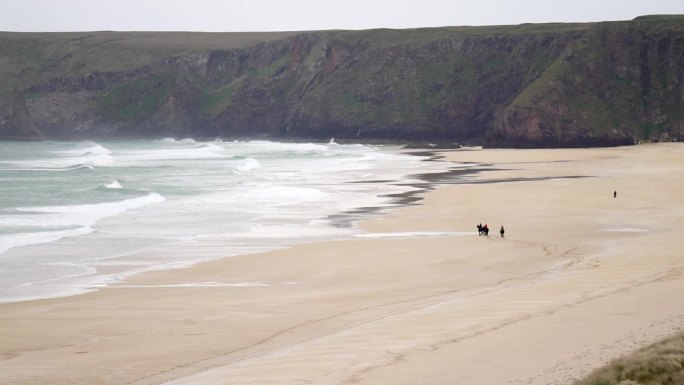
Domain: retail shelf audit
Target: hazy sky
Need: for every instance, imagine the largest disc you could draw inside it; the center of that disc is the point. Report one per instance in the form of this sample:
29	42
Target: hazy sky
300	15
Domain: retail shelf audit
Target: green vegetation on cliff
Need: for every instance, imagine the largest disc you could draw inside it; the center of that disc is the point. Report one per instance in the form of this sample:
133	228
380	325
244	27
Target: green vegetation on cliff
582	84
138	98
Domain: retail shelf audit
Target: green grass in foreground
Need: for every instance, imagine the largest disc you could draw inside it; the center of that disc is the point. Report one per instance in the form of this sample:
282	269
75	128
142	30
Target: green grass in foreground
659	364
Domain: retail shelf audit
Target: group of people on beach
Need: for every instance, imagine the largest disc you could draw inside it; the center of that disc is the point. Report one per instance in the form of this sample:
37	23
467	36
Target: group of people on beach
484	230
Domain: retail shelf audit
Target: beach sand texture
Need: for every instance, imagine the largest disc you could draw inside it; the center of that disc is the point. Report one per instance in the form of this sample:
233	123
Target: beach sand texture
580	278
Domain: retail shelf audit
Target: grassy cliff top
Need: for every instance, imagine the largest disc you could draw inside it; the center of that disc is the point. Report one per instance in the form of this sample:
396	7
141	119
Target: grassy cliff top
27	57
142	40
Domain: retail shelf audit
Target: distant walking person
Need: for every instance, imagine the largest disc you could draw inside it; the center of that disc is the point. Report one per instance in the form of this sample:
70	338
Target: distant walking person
501	231
615	194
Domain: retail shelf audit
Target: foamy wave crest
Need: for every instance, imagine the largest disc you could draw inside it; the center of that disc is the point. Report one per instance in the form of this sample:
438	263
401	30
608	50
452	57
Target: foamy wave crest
73	167
114	185
174	140
87	156
94	155
11	241
210	146
249	165
80	215
97	149
173	150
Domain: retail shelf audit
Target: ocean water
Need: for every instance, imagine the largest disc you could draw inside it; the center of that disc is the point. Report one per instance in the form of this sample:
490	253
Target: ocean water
76	216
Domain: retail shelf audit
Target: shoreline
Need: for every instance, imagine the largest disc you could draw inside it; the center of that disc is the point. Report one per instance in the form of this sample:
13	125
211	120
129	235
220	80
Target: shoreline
567	289
331	223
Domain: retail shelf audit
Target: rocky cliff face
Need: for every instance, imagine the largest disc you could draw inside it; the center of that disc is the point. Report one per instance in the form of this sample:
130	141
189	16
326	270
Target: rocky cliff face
528	85
617	83
17	124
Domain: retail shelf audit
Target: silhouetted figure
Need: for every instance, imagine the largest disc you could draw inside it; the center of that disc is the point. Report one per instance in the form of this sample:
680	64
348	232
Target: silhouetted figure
501	231
479	229
485	229
615	194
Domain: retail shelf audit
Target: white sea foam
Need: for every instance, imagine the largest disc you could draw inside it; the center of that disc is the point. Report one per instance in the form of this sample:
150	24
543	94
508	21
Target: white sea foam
174	140
219	198
179	151
88	157
10	241
290	195
57	168
211	146
114	185
258	198
275	147
78	215
76	167
248	165
93	155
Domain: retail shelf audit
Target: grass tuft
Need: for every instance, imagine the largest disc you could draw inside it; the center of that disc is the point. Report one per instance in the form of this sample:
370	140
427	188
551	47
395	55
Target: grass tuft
659	364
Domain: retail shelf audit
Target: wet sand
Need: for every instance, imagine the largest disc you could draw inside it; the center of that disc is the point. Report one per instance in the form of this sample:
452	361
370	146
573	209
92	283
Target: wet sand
580	278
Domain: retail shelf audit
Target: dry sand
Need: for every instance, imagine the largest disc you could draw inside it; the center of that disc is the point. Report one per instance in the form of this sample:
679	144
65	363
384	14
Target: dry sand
580	278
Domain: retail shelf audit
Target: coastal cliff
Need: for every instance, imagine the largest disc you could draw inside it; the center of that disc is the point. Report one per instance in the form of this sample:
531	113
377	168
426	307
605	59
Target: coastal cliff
531	85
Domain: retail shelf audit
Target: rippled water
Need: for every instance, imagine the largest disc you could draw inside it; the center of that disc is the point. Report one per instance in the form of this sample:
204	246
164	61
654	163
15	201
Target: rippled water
78	215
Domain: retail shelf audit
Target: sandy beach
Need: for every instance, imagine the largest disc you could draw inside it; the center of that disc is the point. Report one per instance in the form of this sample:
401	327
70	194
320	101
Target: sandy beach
580	278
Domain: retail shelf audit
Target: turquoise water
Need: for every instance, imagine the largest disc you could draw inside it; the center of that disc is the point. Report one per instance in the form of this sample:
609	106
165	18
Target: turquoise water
78	215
